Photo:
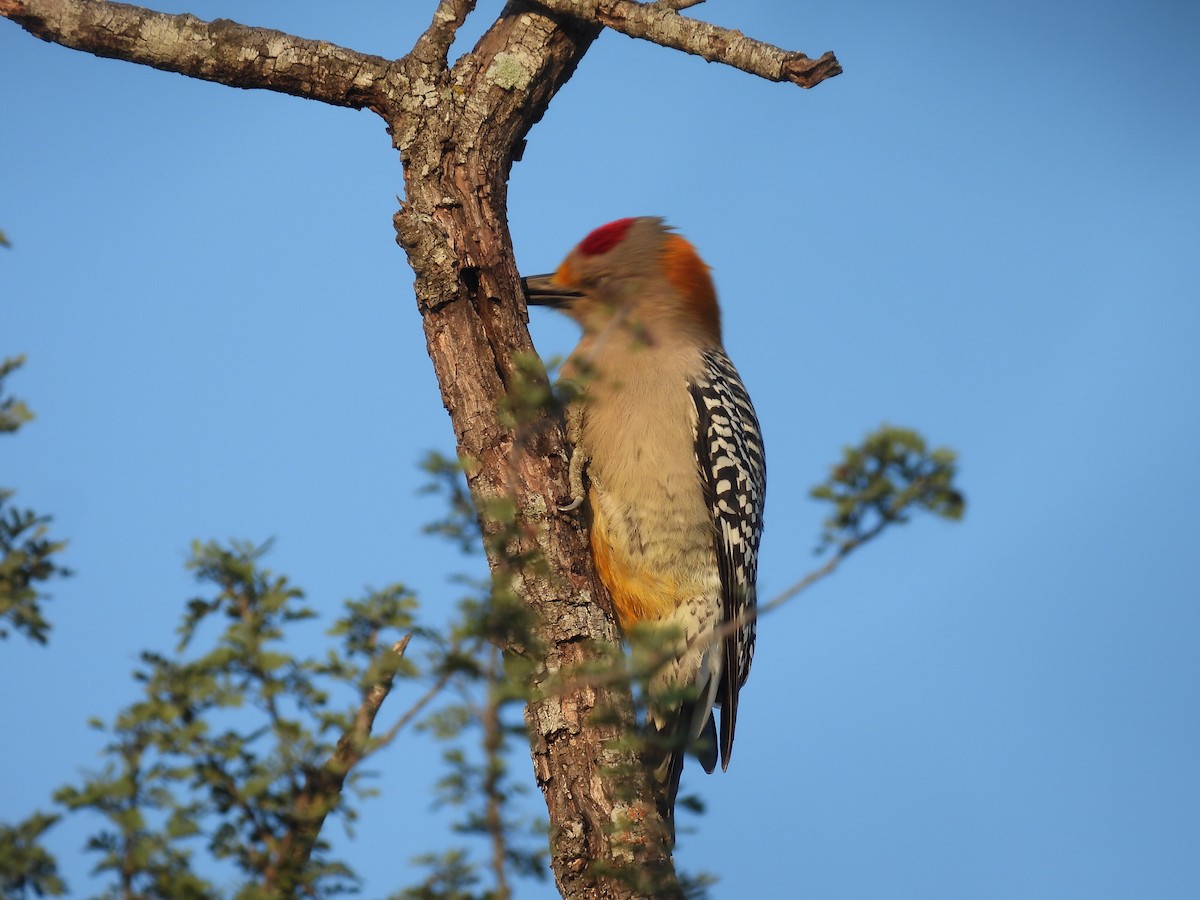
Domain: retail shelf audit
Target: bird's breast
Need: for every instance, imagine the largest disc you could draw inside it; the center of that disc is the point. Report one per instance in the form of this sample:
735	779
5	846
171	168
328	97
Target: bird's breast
652	532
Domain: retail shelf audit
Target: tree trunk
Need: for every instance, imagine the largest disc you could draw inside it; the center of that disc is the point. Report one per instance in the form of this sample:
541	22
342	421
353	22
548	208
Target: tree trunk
453	225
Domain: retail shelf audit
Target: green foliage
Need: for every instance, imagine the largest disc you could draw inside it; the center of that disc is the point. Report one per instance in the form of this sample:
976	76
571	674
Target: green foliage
502	618
27	559
478	728
881	481
237	747
529	395
479	783
452	876
13	412
27	554
236	751
459	525
490	690
26	869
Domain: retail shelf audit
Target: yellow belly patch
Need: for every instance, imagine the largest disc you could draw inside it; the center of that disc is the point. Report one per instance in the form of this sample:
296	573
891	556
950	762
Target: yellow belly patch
639	594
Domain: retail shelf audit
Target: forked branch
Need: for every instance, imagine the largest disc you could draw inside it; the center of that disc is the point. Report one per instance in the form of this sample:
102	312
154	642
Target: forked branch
323	787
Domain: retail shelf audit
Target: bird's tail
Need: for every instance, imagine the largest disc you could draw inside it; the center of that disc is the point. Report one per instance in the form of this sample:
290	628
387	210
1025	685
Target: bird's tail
671	738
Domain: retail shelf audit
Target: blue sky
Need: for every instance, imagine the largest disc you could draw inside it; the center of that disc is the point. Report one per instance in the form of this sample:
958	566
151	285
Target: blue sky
988	229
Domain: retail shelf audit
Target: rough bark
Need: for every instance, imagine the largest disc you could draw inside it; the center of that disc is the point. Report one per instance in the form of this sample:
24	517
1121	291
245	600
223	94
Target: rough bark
220	50
458	130
660	23
453	226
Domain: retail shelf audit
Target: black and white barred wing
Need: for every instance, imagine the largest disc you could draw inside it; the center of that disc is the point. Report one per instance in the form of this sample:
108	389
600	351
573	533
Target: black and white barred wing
729	453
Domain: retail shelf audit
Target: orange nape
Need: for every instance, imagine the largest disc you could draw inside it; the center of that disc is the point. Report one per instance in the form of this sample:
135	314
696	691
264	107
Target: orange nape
638	593
688	273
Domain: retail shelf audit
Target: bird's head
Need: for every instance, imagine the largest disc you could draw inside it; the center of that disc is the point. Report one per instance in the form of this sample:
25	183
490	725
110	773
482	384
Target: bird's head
635	271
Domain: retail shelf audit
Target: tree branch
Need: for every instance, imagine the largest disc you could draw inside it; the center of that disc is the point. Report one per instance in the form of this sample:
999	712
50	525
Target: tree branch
435	43
220	51
659	23
323	787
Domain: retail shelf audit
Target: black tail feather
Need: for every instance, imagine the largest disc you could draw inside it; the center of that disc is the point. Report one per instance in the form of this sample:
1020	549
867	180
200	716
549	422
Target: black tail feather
667	749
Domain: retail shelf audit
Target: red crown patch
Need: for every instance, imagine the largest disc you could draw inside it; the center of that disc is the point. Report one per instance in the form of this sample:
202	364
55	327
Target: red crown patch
605	237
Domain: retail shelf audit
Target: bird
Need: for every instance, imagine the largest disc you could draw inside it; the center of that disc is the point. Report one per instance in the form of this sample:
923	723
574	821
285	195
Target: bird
669	468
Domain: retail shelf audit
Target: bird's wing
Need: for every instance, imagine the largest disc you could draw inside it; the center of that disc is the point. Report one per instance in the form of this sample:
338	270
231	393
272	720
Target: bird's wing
729	453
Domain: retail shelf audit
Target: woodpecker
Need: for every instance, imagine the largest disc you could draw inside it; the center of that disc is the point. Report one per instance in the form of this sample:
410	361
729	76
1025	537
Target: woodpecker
668	439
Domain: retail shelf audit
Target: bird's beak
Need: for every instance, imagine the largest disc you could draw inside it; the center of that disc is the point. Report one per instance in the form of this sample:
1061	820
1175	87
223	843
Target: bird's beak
545	290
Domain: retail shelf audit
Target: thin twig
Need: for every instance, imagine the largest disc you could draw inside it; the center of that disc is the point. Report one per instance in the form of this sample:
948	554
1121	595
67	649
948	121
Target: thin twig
324	784
704	640
493	738
414	710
